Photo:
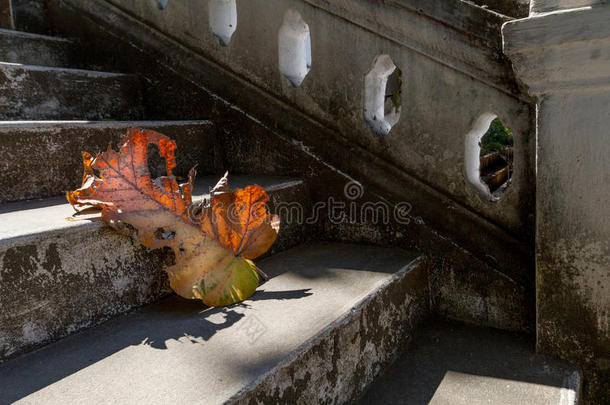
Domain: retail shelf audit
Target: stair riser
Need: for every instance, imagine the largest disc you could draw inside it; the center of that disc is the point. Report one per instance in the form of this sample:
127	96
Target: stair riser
338	365
43	160
59	282
39	93
36	50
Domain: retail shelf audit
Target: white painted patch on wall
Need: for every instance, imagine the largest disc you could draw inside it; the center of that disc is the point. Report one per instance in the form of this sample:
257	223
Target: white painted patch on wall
222	17
294	47
382	95
472	160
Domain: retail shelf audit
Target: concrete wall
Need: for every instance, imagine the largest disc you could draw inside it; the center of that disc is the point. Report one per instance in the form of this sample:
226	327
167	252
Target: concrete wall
564	58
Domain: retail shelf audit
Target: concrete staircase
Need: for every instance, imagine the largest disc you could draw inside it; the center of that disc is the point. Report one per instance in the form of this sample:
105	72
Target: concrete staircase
331	319
60	276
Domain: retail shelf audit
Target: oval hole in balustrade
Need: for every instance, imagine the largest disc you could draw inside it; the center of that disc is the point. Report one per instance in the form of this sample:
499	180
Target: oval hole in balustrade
294	48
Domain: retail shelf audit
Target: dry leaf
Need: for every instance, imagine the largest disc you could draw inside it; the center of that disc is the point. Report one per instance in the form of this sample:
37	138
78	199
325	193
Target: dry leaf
214	243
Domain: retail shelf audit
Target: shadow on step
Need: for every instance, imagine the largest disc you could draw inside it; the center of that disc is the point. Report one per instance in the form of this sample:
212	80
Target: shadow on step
176	346
171	321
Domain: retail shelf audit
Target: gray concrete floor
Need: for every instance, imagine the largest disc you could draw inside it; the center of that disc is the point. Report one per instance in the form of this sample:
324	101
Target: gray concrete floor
450	363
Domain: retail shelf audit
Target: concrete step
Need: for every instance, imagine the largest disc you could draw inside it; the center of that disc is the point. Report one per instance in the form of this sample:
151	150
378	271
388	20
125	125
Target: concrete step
42	159
317	332
59	276
30	92
34	49
463	365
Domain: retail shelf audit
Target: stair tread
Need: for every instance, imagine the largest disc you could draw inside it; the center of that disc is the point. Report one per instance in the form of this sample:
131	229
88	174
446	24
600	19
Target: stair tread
456	364
175	351
33	218
29	35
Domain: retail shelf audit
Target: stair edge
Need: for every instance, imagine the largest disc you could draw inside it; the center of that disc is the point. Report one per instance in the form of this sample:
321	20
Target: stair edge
354	369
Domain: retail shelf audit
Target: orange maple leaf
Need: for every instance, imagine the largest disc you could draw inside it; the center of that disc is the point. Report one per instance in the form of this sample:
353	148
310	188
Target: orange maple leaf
214	242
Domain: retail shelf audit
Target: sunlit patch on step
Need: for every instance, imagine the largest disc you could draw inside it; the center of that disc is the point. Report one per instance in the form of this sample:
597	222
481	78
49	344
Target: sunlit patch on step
222	16
463	388
294	47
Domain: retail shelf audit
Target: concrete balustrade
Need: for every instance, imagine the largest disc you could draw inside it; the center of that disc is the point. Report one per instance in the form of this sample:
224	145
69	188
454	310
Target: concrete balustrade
452	72
447	92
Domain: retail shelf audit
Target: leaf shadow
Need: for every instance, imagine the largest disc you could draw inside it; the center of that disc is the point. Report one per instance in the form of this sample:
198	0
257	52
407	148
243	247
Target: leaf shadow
185	318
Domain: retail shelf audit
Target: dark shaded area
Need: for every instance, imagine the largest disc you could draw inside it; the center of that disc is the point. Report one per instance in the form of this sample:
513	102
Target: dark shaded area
440	347
157	166
280	295
30	16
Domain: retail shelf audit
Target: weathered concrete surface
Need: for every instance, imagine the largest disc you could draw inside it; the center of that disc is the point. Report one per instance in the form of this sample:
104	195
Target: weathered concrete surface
564	59
561	51
42	159
463	287
34	49
59	276
468	290
6	15
573	242
268	137
454	364
318	331
43	93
